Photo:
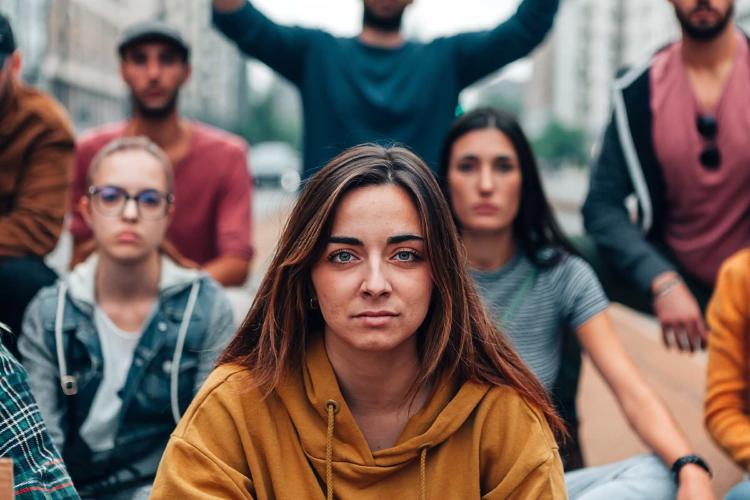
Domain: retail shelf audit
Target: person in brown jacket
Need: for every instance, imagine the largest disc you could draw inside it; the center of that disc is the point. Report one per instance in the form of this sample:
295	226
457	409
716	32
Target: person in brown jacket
36	160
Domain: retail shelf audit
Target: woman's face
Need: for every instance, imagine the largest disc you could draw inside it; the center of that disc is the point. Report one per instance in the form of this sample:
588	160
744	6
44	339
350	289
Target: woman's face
373	282
126	230
484	179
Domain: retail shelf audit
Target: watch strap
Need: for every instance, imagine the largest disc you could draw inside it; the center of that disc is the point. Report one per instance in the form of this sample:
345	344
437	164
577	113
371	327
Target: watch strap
689	459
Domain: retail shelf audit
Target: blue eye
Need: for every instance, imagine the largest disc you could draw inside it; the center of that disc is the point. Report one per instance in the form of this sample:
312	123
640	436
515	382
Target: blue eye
341	257
406	256
151	199
111	195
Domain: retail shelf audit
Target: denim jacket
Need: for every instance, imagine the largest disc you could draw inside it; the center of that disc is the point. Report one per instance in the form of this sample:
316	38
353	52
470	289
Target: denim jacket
62	352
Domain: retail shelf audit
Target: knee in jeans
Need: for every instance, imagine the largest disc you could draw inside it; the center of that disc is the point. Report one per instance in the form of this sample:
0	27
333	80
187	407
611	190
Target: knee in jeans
740	491
649	465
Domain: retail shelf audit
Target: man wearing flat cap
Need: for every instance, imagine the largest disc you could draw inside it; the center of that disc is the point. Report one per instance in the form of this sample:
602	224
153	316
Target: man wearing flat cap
36	160
211	224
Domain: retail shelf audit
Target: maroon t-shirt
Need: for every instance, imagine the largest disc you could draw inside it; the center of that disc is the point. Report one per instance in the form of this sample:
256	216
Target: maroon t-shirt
708	213
212	189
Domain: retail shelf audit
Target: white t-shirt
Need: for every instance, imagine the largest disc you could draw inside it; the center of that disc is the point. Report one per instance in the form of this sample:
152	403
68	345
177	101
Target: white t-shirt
100	427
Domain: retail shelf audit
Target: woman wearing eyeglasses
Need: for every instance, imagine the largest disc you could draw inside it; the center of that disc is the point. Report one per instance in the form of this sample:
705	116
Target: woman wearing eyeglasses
536	289
116	351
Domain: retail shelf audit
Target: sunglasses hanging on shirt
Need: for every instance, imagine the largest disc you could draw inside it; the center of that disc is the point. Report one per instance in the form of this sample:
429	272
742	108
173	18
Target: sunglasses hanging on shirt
708	128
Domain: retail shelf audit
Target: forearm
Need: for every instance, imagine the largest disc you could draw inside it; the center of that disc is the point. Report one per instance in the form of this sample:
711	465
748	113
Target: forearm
228	270
227	5
535	18
649	417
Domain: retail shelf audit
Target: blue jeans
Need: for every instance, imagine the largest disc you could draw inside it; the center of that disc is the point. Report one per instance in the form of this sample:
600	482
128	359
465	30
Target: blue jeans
637	478
741	491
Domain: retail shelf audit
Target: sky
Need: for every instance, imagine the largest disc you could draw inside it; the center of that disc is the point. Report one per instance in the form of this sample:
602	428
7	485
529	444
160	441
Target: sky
427	18
424	19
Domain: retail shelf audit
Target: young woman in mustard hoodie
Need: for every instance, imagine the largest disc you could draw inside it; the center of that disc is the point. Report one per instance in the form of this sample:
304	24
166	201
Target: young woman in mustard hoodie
367	367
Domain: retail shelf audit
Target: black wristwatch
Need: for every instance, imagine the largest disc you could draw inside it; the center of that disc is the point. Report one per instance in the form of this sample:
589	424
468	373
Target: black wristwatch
689	459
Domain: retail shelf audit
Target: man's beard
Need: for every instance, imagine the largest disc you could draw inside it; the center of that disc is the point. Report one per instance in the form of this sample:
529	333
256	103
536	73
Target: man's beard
387	24
704	32
152	113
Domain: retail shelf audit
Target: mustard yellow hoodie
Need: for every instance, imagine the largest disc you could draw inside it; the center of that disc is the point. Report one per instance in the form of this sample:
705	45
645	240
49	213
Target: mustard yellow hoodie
728	375
467	442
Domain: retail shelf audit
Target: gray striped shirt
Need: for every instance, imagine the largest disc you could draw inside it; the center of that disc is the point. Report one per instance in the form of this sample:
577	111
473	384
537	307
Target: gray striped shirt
563	296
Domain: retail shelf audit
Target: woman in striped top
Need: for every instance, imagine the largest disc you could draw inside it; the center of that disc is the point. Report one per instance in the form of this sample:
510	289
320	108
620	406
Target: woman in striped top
536	288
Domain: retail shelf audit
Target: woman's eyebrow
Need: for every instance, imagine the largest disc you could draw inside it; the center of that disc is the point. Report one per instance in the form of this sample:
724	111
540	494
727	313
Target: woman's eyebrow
400	238
350	240
345	240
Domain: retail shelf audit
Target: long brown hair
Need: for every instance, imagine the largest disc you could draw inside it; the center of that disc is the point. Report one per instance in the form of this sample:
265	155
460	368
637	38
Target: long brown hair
457	337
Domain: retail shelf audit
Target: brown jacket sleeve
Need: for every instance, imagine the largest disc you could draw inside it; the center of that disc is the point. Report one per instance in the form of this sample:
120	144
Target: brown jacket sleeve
727	387
34	223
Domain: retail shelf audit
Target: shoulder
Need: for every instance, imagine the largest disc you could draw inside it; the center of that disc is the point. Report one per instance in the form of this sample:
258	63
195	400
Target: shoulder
639	74
212	139
227	391
736	269
45	109
9	365
96	138
514	406
45	301
518	425
213	294
569	270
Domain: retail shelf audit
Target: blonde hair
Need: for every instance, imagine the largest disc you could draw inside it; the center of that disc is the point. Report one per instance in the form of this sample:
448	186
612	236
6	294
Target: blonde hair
141	143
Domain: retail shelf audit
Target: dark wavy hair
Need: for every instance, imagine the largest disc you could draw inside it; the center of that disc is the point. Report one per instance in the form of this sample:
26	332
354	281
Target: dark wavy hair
535	227
457	337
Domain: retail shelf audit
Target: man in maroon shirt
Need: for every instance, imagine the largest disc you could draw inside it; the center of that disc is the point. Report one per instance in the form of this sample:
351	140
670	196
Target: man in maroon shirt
678	142
211	225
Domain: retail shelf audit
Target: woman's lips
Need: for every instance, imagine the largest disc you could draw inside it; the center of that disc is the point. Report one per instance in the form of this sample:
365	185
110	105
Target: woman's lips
128	237
375	318
485	209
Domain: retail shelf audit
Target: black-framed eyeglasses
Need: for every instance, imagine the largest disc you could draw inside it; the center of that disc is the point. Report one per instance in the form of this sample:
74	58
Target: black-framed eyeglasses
708	128
110	201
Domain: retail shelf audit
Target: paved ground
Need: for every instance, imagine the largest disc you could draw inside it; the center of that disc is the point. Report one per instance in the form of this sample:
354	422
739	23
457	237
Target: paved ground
606	436
678	379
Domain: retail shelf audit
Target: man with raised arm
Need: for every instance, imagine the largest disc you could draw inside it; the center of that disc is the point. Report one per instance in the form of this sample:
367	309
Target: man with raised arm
678	142
378	86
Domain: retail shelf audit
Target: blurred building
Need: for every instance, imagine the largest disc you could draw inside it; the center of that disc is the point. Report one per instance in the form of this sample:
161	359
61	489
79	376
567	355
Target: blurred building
80	67
29	21
592	40
743	15
218	89
69	49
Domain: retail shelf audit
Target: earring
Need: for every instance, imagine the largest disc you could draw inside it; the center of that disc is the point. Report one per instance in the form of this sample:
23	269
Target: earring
313	303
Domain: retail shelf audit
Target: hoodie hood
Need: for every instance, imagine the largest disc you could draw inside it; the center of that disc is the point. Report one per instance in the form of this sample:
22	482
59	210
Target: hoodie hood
81	282
306	400
468	441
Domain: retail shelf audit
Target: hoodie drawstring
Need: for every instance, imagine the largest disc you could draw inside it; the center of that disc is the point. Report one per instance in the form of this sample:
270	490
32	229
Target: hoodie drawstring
423	471
332	408
179	347
68	383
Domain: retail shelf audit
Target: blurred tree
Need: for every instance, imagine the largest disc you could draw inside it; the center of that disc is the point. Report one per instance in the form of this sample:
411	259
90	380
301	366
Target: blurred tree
274	116
558	145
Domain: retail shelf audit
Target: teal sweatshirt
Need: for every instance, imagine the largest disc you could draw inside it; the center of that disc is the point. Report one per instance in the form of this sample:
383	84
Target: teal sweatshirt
354	93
